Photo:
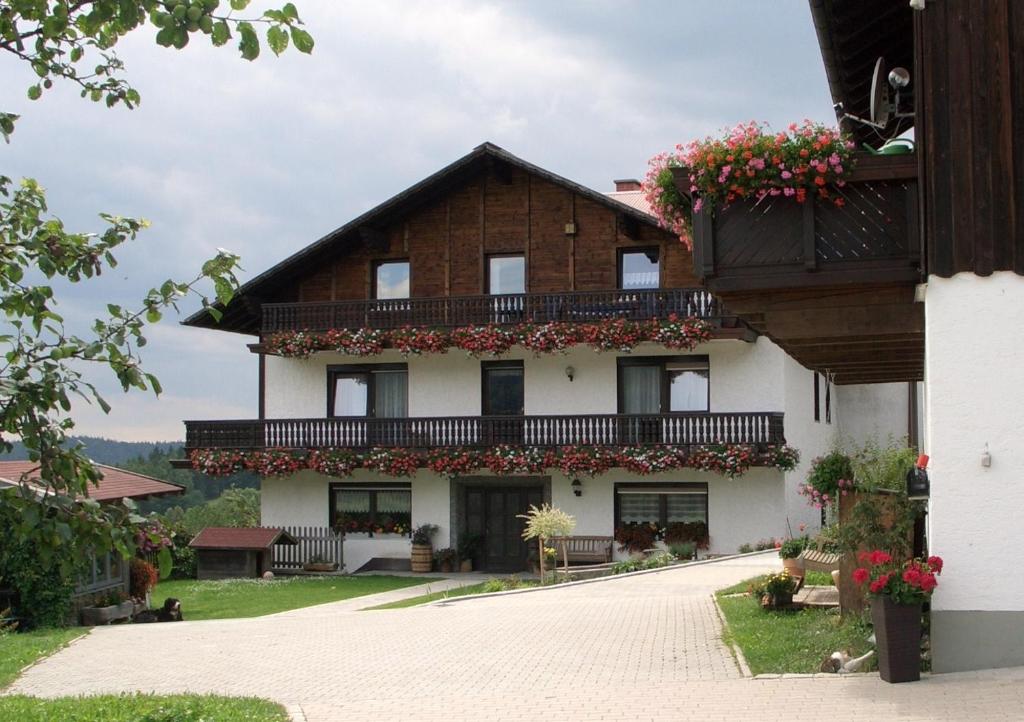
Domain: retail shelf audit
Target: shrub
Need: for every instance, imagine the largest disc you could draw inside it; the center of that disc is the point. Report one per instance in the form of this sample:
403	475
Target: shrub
143	577
745	548
44	590
682	550
882	467
636	537
791	548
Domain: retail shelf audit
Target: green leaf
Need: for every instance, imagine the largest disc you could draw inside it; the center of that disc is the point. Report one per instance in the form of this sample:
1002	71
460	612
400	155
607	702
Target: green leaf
239	4
277	39
35	92
248	43
290	11
164	561
221	33
302	40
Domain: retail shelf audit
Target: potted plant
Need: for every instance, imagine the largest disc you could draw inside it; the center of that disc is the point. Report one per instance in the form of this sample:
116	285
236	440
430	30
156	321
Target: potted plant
897	591
319	563
423	547
636	538
777	590
469	546
446	559
790	552
107	608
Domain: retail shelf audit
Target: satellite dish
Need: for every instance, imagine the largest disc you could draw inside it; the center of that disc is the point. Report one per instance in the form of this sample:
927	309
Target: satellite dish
880	106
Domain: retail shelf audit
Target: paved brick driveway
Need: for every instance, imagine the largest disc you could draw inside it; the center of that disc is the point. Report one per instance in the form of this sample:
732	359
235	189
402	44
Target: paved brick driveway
643	647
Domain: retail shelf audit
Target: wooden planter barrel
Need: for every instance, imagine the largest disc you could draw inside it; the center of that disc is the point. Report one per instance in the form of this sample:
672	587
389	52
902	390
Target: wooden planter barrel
422	558
898	633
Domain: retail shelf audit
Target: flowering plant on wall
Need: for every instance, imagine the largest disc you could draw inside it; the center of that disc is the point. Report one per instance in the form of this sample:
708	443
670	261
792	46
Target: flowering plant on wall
573	461
829	477
749	161
907	582
614	334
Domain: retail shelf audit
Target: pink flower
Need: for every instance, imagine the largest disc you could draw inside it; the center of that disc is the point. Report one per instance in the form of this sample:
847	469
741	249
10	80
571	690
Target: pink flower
786	174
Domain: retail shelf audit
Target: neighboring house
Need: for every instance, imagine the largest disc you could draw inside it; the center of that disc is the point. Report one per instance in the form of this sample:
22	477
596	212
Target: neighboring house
488	244
918	278
110	572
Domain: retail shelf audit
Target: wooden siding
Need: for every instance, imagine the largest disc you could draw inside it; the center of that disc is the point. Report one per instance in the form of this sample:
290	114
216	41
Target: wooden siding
970	127
502	210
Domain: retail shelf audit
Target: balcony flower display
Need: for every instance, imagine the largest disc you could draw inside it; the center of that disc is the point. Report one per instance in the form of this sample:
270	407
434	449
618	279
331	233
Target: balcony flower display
749	161
728	460
613	334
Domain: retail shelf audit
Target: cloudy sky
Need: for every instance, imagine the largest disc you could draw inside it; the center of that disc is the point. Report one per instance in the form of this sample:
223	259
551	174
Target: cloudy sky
265	157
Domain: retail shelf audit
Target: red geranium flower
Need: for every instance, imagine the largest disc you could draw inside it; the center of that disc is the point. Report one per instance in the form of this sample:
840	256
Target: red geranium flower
861	575
936	564
880	557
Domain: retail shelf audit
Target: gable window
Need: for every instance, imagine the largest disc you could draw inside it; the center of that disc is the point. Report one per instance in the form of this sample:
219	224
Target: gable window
506	274
380	390
374	508
639	269
657	385
391	279
661	504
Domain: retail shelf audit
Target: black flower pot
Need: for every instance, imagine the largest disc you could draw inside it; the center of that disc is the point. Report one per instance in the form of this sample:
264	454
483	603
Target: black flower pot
898	633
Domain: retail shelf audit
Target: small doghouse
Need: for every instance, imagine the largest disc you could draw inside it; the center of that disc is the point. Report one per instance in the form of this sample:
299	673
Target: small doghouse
226	552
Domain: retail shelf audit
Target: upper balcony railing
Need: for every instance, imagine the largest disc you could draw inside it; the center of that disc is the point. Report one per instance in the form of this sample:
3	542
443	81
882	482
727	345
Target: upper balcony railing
776	243
683	429
454	311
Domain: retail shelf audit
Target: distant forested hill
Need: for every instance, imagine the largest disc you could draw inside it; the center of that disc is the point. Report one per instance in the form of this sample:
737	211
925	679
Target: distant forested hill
109	451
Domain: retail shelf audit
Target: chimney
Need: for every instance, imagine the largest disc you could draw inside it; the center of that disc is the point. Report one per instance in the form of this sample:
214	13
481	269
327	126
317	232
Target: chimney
627	184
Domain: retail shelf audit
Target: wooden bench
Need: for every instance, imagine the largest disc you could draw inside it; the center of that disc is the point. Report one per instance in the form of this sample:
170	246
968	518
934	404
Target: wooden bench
584	549
818	561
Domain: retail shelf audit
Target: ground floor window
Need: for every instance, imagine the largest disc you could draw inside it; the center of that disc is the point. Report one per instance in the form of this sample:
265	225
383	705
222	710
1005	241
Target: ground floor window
102	572
667	512
371	508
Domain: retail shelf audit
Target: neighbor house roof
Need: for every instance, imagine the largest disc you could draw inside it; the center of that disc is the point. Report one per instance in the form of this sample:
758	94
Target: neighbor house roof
247	538
633	199
115	483
241	315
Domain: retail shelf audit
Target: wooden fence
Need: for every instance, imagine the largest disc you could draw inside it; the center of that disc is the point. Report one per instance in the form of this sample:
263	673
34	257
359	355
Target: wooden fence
313	541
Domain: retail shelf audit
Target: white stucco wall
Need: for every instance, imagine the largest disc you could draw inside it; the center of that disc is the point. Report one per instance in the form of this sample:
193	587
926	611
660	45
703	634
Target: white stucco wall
812	438
974	373
877	412
744	377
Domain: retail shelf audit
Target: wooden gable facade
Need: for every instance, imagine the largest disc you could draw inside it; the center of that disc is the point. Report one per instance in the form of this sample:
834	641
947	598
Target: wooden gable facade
486	203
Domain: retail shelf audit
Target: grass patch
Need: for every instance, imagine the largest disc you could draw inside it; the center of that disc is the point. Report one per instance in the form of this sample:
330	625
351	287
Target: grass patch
789	642
488	587
233	598
18	651
818	579
136	707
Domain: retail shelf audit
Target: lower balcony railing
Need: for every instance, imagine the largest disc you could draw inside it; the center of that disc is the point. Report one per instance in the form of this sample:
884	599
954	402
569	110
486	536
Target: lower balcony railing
486	431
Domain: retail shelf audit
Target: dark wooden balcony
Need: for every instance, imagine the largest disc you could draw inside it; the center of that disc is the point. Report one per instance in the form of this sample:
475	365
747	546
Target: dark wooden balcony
453	311
683	429
834	286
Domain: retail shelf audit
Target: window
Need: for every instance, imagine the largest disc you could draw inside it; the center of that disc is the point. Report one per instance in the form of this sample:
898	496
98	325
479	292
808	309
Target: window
657	385
506	274
828	401
639	269
104	572
381	390
502	388
660	504
371	508
817	398
391	279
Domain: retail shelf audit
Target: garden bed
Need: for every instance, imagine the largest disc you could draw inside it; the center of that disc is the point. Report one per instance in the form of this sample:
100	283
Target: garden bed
789	642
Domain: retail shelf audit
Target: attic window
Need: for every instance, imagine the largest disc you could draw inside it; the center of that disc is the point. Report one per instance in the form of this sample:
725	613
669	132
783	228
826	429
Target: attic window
639	269
391	280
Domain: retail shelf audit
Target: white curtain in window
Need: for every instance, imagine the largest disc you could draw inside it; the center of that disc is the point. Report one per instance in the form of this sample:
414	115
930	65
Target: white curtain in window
688	390
641	389
350	395
391	392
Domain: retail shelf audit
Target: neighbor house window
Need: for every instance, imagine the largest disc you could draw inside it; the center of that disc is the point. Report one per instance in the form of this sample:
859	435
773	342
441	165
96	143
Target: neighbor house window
380	390
105	571
384	508
506	274
657	385
391	279
639	269
660	504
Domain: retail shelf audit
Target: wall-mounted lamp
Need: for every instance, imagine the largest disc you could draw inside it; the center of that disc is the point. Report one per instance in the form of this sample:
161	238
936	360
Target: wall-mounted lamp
577	487
986	457
570	372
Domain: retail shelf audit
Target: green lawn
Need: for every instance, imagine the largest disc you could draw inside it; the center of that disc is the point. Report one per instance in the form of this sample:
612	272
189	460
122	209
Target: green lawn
141	708
17	651
230	598
794	642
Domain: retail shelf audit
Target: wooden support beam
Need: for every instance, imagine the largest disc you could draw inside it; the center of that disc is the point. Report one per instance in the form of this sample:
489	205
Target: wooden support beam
847	322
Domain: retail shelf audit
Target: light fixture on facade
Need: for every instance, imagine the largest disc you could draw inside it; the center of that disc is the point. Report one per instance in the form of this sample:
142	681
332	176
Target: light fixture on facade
577	487
570	372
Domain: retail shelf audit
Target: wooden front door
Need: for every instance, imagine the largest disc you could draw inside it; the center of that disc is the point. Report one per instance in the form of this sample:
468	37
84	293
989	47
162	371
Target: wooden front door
493	513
